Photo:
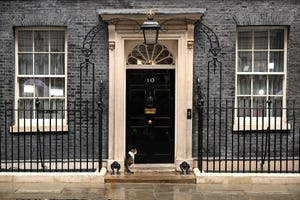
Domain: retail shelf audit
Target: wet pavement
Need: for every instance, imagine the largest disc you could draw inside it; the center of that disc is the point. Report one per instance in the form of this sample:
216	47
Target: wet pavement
149	191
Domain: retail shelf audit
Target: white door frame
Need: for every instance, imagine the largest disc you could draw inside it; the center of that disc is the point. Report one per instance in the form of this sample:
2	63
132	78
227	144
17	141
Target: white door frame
183	35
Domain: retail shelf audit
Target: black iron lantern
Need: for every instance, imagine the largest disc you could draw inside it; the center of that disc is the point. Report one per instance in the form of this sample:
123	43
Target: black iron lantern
150	29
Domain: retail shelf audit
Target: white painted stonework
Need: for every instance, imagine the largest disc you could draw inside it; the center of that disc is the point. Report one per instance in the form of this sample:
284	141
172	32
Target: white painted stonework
179	40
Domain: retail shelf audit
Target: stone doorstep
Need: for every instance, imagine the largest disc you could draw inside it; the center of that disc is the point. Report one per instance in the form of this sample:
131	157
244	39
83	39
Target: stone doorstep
151	177
144	168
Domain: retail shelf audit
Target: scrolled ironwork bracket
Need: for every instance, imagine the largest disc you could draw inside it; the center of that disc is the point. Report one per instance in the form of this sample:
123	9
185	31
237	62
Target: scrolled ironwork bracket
214	49
212	37
89	39
87	46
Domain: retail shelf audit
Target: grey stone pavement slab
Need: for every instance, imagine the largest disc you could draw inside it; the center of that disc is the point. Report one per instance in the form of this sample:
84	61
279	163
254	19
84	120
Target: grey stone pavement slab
149	191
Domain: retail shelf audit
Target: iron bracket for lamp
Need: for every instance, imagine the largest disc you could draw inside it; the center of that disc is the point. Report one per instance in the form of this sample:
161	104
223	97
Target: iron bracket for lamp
210	34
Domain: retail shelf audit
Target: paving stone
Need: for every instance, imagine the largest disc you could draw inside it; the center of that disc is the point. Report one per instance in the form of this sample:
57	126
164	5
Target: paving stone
216	187
41	188
149	191
226	195
164	195
294	190
271	188
270	196
83	192
31	196
139	194
9	187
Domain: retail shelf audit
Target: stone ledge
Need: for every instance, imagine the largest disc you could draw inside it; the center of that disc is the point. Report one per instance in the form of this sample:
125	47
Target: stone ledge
49	177
160	13
245	178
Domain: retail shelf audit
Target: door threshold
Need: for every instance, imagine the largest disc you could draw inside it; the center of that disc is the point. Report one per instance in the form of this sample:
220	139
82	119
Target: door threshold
161	167
151	177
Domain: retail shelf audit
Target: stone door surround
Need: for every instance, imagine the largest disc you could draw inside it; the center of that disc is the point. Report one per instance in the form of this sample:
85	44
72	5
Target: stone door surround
123	33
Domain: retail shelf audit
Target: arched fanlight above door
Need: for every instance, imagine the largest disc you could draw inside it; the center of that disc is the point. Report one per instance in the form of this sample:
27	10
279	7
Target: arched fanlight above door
156	54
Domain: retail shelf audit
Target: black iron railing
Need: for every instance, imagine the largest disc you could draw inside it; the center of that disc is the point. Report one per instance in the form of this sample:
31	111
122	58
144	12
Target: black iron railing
245	138
64	139
231	139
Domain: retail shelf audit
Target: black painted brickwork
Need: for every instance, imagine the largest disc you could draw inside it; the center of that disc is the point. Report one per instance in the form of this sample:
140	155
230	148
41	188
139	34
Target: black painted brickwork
80	16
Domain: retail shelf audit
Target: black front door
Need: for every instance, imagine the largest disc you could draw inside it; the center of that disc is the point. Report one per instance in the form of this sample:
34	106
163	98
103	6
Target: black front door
150	106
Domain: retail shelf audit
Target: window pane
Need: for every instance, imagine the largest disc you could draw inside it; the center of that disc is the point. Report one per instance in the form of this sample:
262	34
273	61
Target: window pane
25	41
260	85
57	87
58	106
276	61
245	40
259	107
260	61
57	64
244	85
42	87
276	105
41	41
26	109
261	40
275	84
244	62
57	41
277	39
26	87
25	64
244	107
43	109
41	64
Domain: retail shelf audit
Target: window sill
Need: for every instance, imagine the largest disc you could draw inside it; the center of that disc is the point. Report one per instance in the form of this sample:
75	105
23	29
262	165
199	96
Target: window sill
261	127
35	129
260	124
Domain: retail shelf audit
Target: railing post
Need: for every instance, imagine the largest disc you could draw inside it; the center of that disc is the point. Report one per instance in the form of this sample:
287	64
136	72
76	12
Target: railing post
293	132
100	111
269	102
5	133
200	104
87	135
37	106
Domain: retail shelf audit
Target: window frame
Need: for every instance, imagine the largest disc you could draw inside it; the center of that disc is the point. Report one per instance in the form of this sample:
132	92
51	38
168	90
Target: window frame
246	123
41	124
153	59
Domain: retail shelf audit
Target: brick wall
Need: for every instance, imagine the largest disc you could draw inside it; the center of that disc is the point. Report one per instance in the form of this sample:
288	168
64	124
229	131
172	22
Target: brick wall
80	16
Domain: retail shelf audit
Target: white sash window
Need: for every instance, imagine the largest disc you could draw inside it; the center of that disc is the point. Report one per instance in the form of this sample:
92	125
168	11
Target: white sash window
40	77
260	77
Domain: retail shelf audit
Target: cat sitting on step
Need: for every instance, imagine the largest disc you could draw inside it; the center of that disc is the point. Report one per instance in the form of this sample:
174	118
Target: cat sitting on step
129	159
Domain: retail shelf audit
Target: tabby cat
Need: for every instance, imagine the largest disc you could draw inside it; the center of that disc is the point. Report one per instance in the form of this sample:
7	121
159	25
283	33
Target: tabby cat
129	159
